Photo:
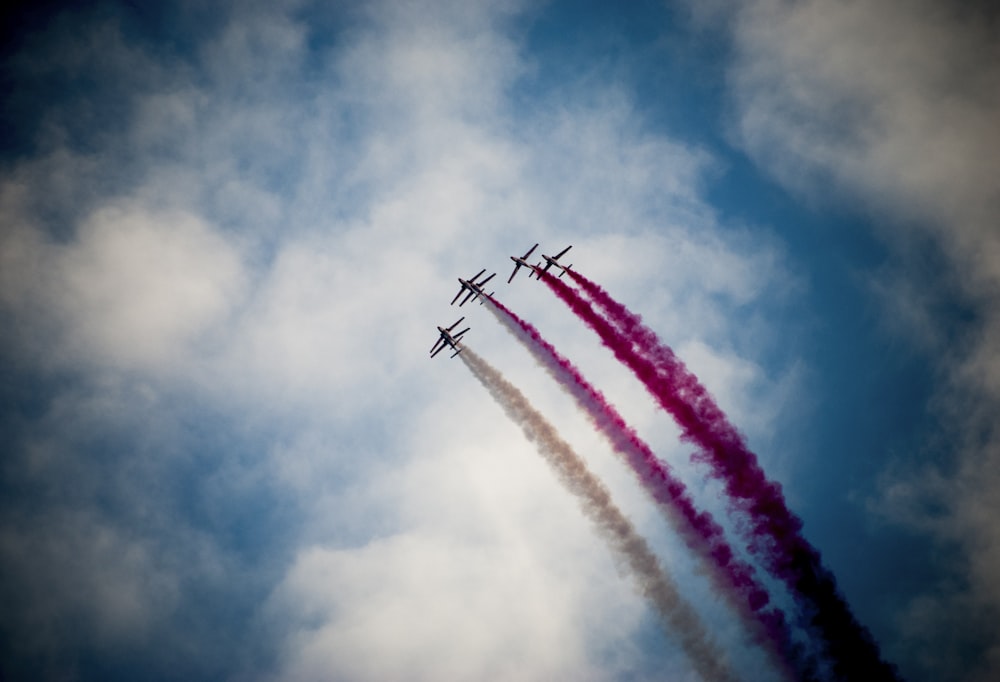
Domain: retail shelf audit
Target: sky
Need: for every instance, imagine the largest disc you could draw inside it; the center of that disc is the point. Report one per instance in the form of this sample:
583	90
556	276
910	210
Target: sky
228	231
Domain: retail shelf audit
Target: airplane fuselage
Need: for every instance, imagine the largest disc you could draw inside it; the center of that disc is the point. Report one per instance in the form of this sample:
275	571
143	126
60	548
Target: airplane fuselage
520	261
550	261
554	260
448	339
474	288
470	286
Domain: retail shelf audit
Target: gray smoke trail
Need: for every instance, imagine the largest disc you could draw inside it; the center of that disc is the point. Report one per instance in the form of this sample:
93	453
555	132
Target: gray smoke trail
653	581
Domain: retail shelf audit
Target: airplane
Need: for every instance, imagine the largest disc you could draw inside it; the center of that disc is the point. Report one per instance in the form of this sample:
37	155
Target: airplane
551	260
449	339
474	288
523	260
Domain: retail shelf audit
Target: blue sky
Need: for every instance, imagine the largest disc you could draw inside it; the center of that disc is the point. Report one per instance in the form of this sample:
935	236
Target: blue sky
228	233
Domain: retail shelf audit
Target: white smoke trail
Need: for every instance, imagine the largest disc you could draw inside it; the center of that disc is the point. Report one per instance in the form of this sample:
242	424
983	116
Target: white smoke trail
652	580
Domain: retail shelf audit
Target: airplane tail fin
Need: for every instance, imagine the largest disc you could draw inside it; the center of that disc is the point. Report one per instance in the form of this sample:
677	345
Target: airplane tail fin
566	269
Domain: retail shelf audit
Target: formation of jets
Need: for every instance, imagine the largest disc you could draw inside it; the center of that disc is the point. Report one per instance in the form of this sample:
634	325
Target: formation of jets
473	290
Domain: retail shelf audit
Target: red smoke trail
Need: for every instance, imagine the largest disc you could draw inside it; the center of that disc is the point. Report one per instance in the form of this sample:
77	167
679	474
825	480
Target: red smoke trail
654	582
731	576
772	532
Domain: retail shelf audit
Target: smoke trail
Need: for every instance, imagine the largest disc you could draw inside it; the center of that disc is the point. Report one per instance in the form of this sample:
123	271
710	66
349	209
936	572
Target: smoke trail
653	581
733	578
772	532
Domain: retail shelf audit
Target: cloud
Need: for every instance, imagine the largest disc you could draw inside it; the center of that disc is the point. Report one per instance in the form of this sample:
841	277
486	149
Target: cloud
116	537
222	294
69	568
133	289
896	104
459	611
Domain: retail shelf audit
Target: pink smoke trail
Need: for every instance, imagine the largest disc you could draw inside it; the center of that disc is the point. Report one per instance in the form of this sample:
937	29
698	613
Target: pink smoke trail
772	532
654	582
733	578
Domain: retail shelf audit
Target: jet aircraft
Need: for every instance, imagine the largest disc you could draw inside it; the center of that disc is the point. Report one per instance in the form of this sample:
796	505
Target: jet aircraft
523	260
449	339
474	288
551	260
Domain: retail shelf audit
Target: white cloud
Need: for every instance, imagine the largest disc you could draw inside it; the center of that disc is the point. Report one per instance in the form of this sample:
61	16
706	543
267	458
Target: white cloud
280	251
458	611
133	289
138	288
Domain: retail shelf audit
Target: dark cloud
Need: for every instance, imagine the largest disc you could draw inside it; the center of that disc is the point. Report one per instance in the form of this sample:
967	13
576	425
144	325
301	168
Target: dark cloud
896	104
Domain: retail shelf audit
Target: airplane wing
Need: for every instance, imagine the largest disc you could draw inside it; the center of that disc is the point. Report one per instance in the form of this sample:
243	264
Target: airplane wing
517	266
525	256
458	336
456	323
487	279
457	295
438	345
473	278
560	254
466	299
